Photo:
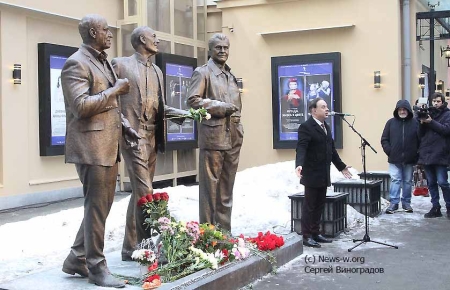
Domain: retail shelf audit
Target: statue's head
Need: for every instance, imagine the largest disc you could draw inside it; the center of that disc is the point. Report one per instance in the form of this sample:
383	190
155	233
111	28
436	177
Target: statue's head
143	37
219	46
95	32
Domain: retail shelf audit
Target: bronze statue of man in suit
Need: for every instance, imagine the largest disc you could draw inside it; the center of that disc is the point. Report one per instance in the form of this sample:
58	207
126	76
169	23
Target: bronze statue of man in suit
144	106
94	128
315	152
215	88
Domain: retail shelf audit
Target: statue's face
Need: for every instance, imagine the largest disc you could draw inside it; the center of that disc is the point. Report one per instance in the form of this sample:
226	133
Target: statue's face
220	51
292	85
102	35
150	41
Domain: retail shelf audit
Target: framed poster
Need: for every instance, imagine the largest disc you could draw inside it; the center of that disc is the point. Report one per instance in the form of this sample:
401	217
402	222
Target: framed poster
177	71
296	80
52	113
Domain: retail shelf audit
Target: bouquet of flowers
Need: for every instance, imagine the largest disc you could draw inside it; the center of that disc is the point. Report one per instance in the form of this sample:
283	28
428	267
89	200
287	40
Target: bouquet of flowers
144	256
154	207
267	241
195	114
212	239
177	237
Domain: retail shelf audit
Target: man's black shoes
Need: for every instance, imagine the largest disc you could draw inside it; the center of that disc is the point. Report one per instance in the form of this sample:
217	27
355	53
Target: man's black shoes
321	239
309	242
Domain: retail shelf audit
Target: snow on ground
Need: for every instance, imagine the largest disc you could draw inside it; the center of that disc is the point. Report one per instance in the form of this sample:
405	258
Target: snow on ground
261	203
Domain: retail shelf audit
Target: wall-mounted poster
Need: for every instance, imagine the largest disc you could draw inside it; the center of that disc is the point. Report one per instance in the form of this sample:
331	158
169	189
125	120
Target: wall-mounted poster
296	80
177	71
52	113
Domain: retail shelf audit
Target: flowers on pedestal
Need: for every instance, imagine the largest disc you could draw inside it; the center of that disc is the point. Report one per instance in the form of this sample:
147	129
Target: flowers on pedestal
187	247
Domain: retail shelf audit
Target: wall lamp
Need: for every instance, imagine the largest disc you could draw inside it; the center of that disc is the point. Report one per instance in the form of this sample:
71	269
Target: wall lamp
230	27
422	81
17	74
377	79
440	86
445	52
240	84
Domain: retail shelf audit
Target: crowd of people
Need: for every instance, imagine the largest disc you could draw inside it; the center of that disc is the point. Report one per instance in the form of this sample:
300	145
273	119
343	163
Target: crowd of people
418	138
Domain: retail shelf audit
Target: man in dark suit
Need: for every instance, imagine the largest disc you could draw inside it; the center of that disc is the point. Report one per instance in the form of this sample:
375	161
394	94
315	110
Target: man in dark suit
220	138
94	127
144	107
315	152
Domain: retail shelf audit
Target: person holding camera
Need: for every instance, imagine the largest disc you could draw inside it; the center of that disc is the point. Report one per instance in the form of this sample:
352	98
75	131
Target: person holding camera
434	152
400	142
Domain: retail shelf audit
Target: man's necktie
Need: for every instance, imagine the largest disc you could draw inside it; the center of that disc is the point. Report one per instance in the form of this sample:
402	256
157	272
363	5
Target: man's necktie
323	127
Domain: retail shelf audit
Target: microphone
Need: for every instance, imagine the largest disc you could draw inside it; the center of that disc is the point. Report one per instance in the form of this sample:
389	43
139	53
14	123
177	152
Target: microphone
339	114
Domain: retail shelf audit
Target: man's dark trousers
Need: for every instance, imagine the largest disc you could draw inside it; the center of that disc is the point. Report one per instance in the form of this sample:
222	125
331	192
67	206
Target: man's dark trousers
312	209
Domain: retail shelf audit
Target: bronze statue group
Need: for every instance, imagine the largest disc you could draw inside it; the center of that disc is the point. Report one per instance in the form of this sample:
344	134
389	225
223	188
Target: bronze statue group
118	108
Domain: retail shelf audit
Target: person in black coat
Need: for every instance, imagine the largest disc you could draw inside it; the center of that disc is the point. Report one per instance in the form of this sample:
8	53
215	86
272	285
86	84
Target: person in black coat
400	142
434	152
315	152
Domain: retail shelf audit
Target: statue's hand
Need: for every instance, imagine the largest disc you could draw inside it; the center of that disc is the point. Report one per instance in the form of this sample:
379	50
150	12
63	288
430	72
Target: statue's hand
132	137
122	86
230	109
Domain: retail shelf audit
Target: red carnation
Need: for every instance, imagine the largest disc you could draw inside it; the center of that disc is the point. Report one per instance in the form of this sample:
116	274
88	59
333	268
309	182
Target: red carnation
153	266
157	196
142	201
280	241
152	278
226	256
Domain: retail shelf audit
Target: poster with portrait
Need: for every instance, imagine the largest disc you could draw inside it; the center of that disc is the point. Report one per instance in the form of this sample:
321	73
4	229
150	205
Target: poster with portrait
57	108
296	80
52	113
177	71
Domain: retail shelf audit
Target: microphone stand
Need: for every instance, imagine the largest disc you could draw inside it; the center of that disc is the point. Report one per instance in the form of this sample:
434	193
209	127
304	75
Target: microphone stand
366	238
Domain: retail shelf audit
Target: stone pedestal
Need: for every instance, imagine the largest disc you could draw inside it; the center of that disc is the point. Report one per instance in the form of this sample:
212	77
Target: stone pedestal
334	215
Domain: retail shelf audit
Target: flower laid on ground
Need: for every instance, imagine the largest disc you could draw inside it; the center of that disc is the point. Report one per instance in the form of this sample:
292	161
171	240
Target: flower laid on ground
151	282
176	238
195	114
267	241
208	257
144	256
240	251
211	239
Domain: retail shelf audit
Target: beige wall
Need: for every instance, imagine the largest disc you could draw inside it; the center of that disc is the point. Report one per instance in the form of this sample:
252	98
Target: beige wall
112	10
23	170
373	44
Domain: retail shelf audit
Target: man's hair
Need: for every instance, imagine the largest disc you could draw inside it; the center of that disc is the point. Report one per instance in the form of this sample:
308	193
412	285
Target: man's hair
87	22
136	35
438	95
216	37
313	103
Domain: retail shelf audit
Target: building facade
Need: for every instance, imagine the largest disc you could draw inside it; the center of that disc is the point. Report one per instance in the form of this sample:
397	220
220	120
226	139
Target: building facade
369	35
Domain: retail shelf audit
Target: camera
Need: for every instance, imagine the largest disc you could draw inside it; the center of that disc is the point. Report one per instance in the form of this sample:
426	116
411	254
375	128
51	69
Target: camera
423	111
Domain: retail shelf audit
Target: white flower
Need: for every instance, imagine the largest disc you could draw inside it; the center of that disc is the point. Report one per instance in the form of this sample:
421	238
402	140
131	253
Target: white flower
208	116
244	252
219	255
